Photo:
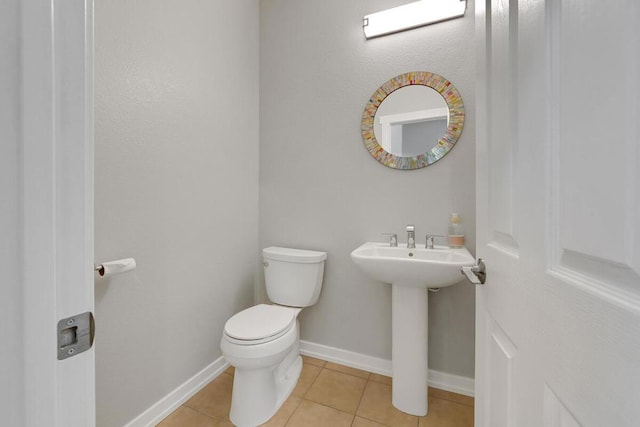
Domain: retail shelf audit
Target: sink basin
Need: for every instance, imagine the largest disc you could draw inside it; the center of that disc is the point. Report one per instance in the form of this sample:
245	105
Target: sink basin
418	267
411	272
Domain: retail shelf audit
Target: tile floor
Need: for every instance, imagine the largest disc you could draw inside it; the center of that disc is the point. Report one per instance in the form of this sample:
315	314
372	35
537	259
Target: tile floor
327	394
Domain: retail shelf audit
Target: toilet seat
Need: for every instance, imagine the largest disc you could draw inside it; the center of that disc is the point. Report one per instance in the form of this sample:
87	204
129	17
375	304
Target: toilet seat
260	324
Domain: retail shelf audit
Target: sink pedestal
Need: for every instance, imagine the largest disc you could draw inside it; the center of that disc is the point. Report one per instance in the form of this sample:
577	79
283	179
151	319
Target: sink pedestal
409	359
411	271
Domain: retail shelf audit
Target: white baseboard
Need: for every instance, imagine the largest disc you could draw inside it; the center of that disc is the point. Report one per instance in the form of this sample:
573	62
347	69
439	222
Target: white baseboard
161	409
346	357
451	382
437	379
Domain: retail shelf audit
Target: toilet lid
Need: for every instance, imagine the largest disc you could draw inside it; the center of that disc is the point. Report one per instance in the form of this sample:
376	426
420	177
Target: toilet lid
261	321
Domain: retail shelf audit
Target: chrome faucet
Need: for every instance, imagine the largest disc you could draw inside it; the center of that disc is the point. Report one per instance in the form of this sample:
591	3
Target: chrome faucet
429	240
411	237
393	239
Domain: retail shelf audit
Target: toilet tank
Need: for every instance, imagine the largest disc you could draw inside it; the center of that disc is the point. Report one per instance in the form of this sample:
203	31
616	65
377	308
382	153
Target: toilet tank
293	277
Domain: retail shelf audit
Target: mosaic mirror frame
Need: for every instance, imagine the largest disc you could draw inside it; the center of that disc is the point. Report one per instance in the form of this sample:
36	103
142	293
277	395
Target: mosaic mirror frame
454	128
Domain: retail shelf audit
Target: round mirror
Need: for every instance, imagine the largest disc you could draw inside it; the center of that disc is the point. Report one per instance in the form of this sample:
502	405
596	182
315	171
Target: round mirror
413	120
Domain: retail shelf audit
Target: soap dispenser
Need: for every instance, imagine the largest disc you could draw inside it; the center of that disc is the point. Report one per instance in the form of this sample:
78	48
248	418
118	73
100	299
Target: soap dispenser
455	236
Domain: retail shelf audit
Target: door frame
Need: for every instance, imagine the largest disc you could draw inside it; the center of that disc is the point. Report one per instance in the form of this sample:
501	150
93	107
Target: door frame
57	201
481	194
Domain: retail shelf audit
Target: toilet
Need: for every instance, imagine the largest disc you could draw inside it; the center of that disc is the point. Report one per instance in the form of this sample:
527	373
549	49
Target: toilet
263	341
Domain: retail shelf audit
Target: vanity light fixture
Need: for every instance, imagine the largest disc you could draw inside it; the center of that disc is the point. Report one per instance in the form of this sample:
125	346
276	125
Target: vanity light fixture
412	15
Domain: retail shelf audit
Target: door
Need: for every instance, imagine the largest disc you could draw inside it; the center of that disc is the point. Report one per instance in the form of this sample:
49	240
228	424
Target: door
57	196
558	213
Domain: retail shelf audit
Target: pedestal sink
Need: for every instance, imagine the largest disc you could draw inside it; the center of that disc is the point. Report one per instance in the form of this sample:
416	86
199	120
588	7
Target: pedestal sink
411	272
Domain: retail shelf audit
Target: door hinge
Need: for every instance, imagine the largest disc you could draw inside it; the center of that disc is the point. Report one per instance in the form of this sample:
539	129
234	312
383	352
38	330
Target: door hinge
75	335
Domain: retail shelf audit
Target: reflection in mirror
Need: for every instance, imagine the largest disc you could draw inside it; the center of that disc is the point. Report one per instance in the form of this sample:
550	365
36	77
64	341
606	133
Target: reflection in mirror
413	120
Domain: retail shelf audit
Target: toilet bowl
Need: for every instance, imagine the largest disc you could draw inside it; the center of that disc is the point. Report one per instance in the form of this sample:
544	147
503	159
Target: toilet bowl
263	341
266	359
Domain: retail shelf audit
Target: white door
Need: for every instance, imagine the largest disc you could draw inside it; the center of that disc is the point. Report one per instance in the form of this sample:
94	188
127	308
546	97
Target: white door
558	215
57	194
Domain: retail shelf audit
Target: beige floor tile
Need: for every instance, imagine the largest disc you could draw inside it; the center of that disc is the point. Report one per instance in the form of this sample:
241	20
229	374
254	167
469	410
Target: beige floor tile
230	370
310	414
376	405
313	361
347	370
363	422
187	417
380	378
284	413
447	395
307	377
215	398
331	396
447	413
337	390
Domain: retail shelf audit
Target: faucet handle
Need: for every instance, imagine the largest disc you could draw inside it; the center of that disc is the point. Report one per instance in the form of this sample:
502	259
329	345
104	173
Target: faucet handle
393	239
429	240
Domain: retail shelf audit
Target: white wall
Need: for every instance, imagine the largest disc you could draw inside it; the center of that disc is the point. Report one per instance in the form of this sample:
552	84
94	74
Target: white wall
320	188
176	188
11	297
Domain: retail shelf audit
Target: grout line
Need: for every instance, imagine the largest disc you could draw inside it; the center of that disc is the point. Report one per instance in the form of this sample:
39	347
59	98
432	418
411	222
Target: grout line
378	382
359	403
452	400
327	406
346	373
204	413
331	407
378	421
324	362
374	421
361	397
213	417
292	412
312	383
